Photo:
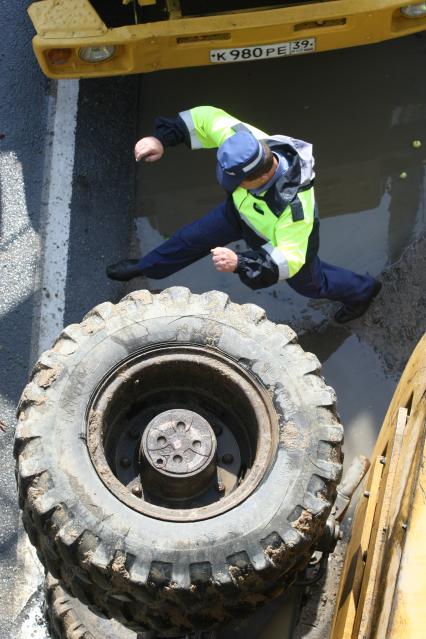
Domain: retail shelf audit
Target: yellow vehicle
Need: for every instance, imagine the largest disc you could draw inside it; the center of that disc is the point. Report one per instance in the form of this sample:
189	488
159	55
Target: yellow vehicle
92	38
383	584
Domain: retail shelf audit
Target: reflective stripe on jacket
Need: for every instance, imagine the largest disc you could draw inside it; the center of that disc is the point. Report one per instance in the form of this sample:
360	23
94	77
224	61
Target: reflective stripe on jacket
208	127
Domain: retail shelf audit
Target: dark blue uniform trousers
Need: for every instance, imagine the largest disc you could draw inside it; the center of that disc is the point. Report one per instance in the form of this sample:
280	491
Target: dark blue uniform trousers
316	279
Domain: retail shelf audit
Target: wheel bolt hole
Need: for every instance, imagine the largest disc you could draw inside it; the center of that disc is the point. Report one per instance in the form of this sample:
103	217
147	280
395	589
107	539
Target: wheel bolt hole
180	427
196	445
161	440
159	461
177	459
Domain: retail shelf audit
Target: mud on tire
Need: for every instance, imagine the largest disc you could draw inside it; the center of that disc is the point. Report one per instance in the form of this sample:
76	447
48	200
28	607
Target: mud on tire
179	573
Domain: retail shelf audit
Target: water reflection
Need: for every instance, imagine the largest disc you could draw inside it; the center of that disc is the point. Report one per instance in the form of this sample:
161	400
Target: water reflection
357	374
375	203
407	210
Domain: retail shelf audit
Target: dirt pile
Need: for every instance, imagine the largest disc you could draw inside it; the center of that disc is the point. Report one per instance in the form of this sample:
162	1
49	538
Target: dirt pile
397	318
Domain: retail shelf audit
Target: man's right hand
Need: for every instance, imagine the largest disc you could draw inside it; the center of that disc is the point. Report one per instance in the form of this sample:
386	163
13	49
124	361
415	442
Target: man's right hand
149	149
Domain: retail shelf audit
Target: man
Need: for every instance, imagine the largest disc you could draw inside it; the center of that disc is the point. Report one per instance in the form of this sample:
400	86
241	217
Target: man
270	204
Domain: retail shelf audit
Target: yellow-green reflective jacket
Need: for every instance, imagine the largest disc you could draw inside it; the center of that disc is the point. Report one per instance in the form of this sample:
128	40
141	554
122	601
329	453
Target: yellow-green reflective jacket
282	218
285	218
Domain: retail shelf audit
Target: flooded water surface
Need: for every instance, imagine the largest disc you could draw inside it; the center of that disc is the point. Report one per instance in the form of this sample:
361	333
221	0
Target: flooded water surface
362	109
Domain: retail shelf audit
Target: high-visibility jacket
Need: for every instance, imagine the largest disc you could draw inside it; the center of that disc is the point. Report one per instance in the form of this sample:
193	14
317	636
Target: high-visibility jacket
281	223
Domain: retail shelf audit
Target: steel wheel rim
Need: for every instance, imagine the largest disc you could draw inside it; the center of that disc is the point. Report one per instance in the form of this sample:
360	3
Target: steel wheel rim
131	382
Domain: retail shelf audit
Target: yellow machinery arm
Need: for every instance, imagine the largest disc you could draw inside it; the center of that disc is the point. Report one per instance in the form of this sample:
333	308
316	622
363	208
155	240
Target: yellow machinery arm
383	586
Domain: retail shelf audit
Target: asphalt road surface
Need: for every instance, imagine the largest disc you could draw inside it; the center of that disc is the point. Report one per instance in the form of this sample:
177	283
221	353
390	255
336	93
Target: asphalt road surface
72	202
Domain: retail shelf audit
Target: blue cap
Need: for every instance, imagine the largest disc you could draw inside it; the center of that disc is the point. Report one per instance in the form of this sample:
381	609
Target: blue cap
237	157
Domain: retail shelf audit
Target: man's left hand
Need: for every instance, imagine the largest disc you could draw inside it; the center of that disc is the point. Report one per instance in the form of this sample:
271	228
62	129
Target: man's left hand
224	259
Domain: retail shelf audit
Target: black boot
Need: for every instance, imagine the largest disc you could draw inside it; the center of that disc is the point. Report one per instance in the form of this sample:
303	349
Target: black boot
351	312
124	270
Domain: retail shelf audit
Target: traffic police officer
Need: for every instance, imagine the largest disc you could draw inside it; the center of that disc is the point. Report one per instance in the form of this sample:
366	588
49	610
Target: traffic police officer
271	205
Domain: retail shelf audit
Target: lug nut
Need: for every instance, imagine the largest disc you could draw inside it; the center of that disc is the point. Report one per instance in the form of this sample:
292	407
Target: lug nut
137	491
220	487
228	458
125	462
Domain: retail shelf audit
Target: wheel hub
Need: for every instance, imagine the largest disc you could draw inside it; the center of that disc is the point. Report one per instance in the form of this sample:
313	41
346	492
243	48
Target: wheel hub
177	454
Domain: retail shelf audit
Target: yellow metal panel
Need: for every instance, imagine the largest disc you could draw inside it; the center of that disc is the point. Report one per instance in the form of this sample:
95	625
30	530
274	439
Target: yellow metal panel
66	19
356	555
408	619
372	581
186	42
389	601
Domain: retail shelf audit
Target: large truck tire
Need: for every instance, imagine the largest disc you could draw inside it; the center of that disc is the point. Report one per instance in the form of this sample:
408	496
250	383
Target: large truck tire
177	459
68	618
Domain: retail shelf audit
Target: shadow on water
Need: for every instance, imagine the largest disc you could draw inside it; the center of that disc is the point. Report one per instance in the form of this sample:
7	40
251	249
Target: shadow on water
362	109
363	389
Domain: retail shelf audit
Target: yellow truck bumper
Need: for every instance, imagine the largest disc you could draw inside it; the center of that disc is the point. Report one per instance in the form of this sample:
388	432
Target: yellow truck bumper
187	42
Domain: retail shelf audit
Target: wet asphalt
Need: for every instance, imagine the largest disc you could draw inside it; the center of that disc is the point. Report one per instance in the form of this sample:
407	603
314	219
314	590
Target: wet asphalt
361	108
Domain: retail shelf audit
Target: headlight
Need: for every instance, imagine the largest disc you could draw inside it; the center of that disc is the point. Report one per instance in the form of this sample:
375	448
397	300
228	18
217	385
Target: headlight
96	54
414	10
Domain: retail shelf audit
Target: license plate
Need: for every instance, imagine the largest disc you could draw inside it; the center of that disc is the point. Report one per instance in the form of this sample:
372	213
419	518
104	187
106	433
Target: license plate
263	51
